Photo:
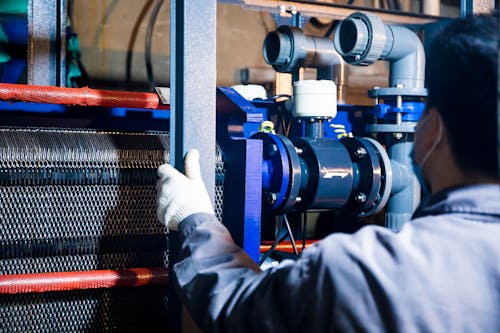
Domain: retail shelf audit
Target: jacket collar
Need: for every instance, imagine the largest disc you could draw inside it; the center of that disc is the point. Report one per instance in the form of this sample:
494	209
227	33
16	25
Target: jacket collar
480	202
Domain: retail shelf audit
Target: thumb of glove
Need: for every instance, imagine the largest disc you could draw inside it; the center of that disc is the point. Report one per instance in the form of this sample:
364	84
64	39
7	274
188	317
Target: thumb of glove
179	195
192	165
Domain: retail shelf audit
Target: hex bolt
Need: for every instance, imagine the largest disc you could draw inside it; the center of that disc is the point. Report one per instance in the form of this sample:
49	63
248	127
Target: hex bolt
360	152
271	198
360	197
397	136
299	151
272	150
298	199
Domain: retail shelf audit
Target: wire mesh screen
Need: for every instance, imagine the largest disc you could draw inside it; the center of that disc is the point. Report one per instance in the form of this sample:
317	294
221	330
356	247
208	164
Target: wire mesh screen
81	201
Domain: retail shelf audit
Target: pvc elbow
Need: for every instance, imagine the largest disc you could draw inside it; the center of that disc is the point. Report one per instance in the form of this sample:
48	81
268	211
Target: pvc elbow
362	39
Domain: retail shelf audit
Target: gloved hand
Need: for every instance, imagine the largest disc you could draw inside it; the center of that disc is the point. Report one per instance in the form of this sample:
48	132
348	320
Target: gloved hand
178	195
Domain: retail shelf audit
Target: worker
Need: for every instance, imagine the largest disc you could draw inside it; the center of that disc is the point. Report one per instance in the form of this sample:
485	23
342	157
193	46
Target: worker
439	273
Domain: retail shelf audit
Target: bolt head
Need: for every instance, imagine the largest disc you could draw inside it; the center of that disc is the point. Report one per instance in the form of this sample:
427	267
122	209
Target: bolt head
271	198
272	150
398	136
360	197
360	152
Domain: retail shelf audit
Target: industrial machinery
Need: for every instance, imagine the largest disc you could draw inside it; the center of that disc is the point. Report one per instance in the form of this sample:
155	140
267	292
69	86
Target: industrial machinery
81	248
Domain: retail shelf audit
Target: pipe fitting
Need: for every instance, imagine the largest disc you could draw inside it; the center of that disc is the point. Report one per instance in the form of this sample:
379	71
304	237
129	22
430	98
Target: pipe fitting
363	38
287	49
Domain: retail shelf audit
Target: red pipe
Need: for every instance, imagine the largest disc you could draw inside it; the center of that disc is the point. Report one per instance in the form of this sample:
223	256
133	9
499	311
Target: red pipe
64	281
80	96
285	246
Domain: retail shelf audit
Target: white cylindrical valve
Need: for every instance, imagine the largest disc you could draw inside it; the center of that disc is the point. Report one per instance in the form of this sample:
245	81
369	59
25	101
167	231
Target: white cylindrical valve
315	99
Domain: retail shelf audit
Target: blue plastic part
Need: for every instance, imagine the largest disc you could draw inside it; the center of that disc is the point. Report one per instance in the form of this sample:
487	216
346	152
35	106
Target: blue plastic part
411	111
58	108
155	114
32	107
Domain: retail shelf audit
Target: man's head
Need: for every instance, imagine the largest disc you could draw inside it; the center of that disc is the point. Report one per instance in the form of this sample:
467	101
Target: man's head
461	114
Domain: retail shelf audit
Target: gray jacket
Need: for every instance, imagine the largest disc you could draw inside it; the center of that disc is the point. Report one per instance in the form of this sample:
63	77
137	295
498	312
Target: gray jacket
440	273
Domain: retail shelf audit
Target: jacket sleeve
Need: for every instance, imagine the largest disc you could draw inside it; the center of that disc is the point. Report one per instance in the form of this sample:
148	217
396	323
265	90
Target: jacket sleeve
225	291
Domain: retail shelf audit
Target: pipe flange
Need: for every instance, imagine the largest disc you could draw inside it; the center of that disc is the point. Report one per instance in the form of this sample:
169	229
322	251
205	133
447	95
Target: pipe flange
367	45
386	168
283	189
284	49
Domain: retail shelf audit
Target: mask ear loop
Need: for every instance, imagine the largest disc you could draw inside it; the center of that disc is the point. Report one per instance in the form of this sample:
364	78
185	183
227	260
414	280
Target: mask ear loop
434	145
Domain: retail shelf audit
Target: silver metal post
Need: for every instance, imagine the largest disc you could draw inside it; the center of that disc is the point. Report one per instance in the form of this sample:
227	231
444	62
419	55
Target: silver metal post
193	84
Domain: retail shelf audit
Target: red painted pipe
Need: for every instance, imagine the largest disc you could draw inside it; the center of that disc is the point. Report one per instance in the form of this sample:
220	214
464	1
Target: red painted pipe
64	281
285	246
80	96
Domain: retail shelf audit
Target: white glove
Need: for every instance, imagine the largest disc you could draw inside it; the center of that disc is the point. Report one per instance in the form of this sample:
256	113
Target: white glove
178	195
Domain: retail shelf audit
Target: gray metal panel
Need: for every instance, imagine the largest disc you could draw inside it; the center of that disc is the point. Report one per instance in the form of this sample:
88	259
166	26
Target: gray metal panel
47	42
193	84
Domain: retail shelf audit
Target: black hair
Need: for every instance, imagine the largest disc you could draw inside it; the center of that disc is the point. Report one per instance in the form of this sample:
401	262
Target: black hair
461	77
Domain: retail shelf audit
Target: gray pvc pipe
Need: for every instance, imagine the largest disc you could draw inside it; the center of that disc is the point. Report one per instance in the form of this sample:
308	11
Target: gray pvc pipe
287	49
362	38
405	187
406	56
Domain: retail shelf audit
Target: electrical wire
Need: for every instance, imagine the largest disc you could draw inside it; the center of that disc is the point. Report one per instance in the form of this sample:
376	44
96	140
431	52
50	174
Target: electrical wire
103	22
131	42
149	40
277	239
331	28
290	234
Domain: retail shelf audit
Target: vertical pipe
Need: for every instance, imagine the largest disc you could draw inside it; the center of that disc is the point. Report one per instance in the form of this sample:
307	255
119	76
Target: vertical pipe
432	7
402	204
314	128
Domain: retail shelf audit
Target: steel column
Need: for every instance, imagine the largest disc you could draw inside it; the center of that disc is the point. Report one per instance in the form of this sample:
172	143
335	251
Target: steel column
193	84
47	42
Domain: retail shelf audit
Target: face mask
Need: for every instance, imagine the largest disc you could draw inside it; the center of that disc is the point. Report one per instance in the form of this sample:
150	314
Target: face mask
417	167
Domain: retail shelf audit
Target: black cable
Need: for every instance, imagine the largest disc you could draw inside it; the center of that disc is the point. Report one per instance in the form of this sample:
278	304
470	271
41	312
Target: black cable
331	28
277	240
149	38
290	234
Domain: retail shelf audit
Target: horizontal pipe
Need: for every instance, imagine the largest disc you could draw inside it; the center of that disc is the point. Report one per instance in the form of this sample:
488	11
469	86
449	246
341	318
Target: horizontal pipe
80	96
285	246
97	279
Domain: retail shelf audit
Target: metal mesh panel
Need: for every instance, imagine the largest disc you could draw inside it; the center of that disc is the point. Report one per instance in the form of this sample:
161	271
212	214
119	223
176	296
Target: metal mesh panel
83	200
